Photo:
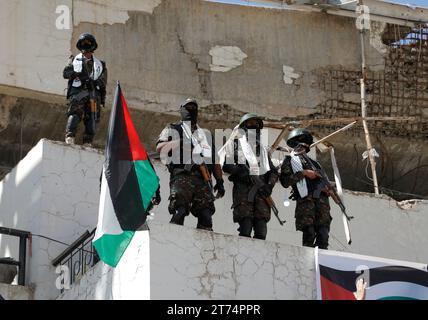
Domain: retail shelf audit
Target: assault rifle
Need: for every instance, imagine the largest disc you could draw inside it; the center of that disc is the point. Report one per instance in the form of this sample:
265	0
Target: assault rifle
325	184
93	97
257	184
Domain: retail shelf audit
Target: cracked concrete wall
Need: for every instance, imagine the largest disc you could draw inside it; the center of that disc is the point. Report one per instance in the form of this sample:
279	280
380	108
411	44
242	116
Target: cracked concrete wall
33	49
109	11
130	280
166	50
296	64
10	292
166	55
161	50
53	192
382	226
194	264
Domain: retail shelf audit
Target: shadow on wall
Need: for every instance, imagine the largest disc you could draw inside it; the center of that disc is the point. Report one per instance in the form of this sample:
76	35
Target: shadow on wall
20	191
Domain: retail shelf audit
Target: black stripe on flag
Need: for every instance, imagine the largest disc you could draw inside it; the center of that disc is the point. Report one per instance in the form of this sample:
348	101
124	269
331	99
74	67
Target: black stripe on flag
120	172
346	279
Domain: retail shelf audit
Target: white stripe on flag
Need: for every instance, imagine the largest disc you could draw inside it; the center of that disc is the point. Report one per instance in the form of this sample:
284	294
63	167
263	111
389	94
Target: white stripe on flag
107	220
397	289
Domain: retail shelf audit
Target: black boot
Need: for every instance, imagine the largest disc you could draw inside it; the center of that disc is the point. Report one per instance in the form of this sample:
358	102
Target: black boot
308	236
322	237
178	216
245	227
260	229
205	221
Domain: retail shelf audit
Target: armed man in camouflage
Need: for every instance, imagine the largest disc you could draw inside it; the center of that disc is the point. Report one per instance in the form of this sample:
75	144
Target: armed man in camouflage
190	158
312	205
246	158
87	81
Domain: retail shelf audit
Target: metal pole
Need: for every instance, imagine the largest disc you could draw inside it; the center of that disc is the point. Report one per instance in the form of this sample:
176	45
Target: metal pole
22	260
364	111
333	134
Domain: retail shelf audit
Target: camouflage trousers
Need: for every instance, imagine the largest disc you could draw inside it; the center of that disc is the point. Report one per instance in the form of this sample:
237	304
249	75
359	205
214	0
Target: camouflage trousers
313	212
242	208
189	190
79	109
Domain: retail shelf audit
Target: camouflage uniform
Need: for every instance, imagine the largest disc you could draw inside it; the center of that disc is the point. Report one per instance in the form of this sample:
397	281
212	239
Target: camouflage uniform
249	214
188	189
242	208
312	214
79	108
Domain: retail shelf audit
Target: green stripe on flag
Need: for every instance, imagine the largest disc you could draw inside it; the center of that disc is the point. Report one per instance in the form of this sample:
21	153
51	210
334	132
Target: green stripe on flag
148	181
110	248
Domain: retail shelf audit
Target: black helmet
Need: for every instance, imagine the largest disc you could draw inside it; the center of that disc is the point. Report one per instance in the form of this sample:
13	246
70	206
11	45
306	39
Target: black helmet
250	116
189	101
87	43
299	135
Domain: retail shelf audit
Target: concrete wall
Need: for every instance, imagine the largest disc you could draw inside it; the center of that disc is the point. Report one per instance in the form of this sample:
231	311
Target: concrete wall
10	292
278	63
193	264
33	49
130	280
246	57
382	227
227	54
53	192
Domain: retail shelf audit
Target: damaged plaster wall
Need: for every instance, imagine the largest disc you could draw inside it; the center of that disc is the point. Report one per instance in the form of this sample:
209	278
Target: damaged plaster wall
226	58
160	51
33	51
193	264
52	192
178	50
60	185
109	11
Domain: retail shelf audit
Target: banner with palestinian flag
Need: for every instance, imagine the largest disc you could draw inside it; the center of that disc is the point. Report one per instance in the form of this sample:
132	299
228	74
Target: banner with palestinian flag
127	186
345	276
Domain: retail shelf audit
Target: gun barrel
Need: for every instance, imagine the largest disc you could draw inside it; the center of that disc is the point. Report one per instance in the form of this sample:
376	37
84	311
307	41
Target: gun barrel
275	210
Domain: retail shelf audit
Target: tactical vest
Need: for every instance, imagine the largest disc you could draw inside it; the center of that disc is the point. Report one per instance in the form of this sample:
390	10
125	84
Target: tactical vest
181	166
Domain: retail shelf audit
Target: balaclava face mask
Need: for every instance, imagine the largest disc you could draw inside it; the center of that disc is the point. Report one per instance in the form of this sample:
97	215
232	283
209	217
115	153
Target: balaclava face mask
253	137
189	115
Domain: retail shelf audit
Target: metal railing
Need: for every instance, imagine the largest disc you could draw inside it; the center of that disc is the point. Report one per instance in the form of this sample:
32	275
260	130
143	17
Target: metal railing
79	257
23	237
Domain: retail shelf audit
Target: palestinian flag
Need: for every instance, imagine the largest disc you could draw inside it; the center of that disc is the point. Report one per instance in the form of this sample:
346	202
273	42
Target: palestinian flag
127	187
341	276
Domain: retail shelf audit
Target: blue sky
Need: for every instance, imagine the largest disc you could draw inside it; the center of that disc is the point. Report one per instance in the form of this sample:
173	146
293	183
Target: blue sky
421	3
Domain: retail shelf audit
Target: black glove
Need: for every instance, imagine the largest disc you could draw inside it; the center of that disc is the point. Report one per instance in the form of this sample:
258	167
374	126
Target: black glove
266	190
83	76
219	187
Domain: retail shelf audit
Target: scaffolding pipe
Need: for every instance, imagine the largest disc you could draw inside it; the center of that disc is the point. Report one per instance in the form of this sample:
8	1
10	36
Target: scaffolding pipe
364	109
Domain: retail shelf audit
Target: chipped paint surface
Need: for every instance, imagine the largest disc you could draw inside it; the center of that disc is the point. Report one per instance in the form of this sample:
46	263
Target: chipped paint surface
130	280
226	58
14	292
376	30
52	192
289	75
193	264
33	51
61	188
110	11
